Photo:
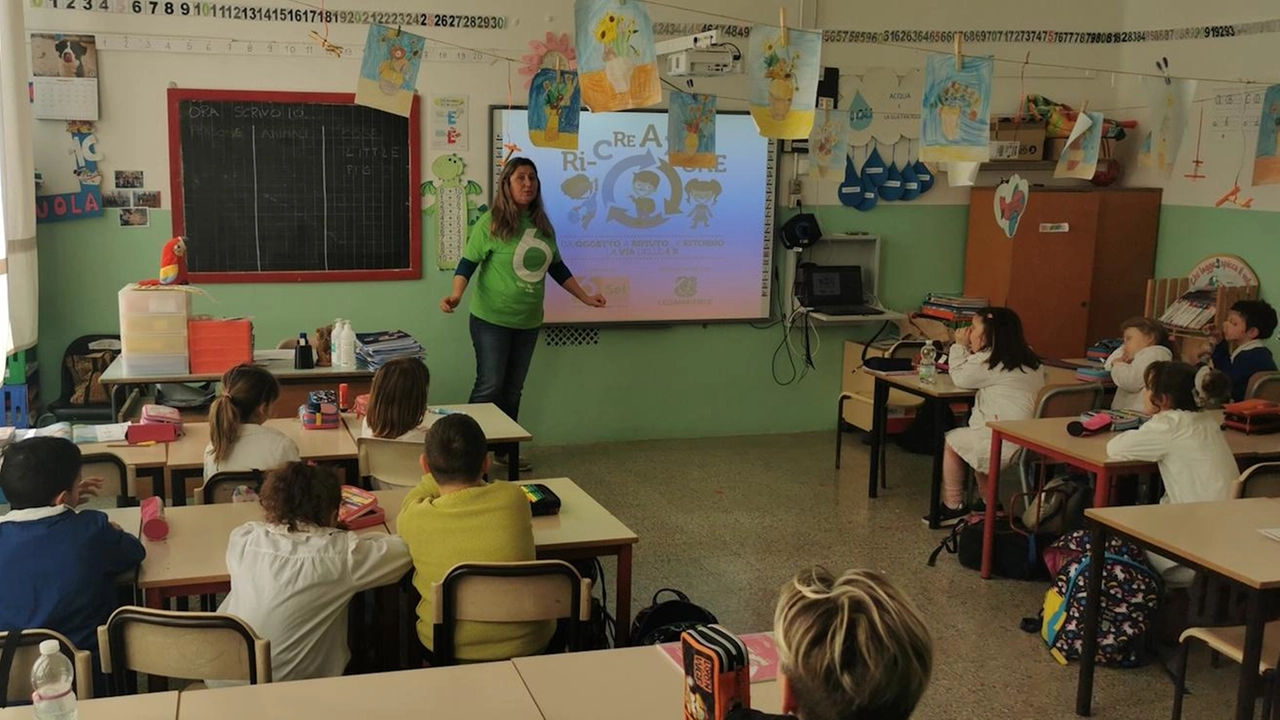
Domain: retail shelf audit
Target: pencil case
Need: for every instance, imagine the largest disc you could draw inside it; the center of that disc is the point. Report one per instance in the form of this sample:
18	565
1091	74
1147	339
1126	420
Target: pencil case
717	673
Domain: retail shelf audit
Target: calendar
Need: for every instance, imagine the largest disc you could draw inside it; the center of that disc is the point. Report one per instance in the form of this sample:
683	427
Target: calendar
65	98
64	83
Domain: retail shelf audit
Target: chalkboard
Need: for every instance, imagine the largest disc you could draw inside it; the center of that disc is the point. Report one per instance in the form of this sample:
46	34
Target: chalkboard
304	187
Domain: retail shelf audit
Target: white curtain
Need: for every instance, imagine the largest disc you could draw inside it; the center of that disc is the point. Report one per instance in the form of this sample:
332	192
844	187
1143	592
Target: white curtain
19	275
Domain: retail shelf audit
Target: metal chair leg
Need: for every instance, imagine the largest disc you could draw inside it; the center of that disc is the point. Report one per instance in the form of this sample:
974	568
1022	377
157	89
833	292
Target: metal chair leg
1180	679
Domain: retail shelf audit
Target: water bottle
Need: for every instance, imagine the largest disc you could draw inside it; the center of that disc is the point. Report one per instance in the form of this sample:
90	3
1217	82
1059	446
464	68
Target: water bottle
348	342
928	368
53	682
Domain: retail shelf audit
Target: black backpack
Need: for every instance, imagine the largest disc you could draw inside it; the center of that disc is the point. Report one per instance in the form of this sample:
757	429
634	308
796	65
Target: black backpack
664	620
1016	554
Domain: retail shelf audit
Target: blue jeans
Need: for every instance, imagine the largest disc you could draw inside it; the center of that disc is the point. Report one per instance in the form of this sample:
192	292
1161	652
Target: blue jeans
503	356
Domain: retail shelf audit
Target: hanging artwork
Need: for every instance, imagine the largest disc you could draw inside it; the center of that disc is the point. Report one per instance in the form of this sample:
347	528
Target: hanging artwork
955	110
87	202
1169	101
1266	163
1010	203
448	123
617	63
554	52
691	131
827	146
1080	156
389	70
453	209
555	102
782	76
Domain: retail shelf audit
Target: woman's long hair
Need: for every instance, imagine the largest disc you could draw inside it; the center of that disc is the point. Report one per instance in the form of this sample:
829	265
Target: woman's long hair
506	213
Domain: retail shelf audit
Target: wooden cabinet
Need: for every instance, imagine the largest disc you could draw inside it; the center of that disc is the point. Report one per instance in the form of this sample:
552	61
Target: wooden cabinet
1076	268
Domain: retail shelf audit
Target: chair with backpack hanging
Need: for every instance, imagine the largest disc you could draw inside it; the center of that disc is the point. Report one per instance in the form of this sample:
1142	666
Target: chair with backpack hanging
664	620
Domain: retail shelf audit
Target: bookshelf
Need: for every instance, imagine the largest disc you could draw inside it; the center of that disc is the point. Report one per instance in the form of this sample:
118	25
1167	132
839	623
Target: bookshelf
1164	292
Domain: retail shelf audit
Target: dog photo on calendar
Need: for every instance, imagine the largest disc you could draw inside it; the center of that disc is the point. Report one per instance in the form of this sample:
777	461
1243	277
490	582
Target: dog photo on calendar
64	56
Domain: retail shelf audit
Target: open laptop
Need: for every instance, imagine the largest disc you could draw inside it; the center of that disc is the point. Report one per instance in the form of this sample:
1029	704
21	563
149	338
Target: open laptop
835	290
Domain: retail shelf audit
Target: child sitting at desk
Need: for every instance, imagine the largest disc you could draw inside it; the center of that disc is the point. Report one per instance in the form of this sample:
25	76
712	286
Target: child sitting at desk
1248	325
237	438
293	575
1144	343
59	565
453	516
992	357
397	401
1195	461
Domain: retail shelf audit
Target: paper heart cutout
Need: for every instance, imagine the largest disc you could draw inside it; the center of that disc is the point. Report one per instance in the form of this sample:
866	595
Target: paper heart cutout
1010	203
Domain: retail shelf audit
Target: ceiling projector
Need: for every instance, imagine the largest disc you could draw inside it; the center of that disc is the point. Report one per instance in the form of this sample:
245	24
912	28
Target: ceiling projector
701	55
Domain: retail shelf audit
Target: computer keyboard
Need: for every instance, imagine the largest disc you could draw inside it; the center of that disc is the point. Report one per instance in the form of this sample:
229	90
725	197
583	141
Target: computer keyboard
838	310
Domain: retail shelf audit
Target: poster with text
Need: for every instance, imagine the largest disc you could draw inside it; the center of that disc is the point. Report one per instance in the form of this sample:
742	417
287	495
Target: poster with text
1080	156
617	63
1266	164
691	131
827	144
389	70
555	102
955	110
1169	102
782	78
450	118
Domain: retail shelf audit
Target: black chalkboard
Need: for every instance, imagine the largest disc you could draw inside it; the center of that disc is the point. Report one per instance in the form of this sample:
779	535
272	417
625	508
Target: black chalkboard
272	187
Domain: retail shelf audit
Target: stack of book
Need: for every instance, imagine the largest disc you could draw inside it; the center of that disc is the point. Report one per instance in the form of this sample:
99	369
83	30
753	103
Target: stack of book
952	308
1093	373
1194	311
1102	349
374	349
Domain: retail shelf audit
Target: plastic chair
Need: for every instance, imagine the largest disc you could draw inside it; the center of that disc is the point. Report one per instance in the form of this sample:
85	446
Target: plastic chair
220	487
18	684
508	593
1264	385
390	463
1229	642
1058	401
66	410
124	497
186	645
1261	480
903	349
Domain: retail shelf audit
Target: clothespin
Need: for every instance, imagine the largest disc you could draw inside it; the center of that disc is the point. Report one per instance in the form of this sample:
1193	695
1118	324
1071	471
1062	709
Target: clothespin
959	57
782	21
1084	107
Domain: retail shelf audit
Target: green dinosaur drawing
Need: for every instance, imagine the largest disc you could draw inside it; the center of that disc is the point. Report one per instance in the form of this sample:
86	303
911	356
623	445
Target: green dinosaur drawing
449	171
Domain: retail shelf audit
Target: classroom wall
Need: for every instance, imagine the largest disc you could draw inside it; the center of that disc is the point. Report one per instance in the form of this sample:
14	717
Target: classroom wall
689	380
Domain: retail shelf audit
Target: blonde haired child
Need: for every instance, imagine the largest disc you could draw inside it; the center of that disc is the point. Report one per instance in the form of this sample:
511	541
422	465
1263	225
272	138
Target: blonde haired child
398	401
1144	344
237	438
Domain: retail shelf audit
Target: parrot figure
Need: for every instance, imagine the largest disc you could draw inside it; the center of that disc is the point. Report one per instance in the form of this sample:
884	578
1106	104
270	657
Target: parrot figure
173	264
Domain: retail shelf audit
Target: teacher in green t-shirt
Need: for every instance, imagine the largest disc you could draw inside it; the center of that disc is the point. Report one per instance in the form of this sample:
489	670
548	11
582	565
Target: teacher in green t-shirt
514	248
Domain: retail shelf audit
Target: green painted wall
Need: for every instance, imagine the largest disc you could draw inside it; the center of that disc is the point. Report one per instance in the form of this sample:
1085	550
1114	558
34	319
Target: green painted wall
683	381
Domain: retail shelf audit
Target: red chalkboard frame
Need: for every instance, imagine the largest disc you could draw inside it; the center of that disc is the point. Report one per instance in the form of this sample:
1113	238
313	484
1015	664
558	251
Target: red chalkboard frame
177	195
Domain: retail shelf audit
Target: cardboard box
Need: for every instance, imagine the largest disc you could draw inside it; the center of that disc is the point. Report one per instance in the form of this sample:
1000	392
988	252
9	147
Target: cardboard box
1010	136
1054	148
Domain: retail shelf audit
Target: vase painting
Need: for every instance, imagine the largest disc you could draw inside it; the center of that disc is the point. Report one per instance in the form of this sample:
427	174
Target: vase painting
782	74
828	144
555	104
617	63
691	131
955	110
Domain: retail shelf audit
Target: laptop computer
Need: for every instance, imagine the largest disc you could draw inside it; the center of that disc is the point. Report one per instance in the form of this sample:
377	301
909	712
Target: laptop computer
835	290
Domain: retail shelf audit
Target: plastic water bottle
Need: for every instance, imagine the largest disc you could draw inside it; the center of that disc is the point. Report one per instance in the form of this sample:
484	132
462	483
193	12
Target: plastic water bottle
53	682
348	345
928	367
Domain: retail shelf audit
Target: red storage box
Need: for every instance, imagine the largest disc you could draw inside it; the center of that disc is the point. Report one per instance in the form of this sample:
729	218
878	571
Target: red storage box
216	346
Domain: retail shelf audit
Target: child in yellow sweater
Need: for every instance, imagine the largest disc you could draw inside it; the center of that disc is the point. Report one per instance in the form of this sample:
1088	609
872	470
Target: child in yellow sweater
453	516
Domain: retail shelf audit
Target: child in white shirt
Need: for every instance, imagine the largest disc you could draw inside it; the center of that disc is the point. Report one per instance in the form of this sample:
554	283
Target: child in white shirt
293	575
992	357
237	438
398	401
1144	343
1195	462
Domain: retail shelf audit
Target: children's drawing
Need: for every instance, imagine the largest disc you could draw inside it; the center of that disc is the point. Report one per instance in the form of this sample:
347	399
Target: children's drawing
1266	163
702	194
389	70
453	209
691	131
955	110
617	63
583	191
554	51
1080	156
1169	101
827	145
783	80
554	104
1010	202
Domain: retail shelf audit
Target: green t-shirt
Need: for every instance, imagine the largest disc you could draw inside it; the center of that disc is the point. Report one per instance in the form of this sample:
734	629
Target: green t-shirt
511	280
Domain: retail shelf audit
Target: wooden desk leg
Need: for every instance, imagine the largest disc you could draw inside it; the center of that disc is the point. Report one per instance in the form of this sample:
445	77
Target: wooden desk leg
879	404
1092	609
940	409
1247	694
1102	492
989	494
622	591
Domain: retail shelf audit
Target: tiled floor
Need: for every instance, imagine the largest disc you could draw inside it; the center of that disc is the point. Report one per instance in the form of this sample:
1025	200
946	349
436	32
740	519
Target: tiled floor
728	520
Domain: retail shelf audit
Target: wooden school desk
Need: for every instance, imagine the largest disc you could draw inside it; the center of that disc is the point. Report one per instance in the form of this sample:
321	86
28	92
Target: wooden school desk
497	426
478	692
1049	437
294	384
148	706
1217	537
640	683
186	454
583	529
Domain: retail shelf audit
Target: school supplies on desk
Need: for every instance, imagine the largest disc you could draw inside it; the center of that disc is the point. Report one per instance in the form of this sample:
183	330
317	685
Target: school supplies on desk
1102	349
717	673
359	509
762	653
1092	422
374	349
542	501
1252	417
154	525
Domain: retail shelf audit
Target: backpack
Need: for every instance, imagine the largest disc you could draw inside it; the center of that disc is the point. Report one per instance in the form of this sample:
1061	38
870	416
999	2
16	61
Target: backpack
1016	554
664	620
597	632
1131	594
1060	507
919	437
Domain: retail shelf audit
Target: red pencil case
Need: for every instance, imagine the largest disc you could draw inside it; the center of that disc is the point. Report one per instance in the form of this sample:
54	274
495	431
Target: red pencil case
143	432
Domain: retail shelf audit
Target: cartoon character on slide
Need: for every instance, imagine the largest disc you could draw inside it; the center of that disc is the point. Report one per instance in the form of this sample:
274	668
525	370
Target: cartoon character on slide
645	183
703	194
582	190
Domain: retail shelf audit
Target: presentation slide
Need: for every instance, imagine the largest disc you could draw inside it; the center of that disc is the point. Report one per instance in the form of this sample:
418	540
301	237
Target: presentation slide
662	243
